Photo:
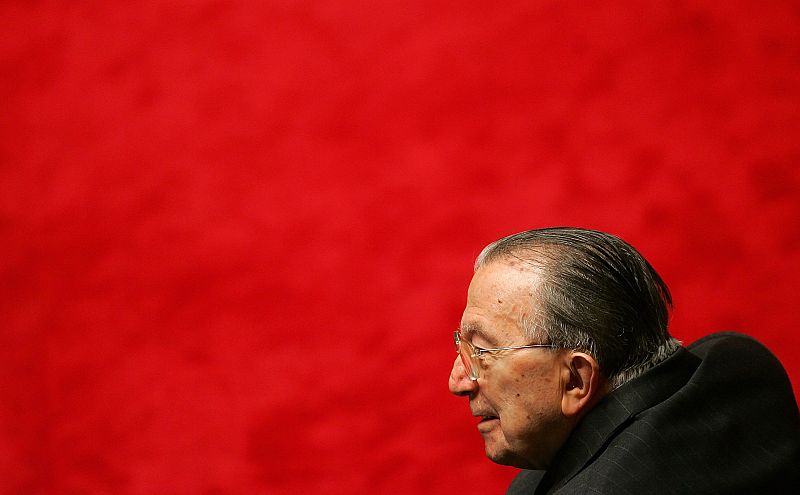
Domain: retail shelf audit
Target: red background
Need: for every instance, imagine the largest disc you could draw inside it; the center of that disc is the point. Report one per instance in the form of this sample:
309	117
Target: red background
237	235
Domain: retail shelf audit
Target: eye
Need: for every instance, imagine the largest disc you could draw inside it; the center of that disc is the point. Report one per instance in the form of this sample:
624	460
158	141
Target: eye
479	351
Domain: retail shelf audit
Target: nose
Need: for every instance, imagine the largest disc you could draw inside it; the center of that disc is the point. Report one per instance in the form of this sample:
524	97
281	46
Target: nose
460	383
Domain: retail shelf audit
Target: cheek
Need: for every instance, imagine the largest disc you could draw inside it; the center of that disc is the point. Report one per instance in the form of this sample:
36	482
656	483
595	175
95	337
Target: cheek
528	395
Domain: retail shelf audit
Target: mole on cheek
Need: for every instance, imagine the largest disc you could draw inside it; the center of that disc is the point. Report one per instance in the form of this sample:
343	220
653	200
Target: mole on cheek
499	301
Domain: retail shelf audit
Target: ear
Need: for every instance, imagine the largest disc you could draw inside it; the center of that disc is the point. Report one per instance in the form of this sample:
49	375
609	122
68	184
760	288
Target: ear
582	384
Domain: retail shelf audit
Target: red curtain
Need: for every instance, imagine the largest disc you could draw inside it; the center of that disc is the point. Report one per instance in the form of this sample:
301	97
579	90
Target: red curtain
237	235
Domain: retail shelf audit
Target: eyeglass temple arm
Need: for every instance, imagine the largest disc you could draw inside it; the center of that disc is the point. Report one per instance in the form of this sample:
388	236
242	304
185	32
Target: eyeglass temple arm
480	350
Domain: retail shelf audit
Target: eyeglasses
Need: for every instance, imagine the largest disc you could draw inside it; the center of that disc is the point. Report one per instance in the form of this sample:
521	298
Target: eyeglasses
470	354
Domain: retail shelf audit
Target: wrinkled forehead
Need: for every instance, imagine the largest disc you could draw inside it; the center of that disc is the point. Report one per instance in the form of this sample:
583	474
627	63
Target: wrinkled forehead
501	295
503	280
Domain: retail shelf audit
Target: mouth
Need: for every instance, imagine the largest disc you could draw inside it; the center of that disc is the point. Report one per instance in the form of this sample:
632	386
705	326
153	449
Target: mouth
487	423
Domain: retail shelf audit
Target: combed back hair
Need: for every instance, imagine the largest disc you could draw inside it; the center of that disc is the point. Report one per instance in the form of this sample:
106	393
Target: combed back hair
595	293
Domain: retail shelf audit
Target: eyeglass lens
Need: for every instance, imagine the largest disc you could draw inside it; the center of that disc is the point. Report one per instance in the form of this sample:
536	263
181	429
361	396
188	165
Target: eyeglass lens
466	356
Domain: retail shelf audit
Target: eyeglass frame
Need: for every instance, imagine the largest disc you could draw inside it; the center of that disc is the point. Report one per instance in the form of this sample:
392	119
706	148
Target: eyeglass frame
471	366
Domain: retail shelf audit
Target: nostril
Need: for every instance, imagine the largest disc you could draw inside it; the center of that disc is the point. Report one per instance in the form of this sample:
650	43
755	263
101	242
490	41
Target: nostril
461	384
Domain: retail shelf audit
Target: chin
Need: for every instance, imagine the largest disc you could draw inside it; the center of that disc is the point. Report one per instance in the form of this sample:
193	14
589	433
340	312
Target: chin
507	457
522	455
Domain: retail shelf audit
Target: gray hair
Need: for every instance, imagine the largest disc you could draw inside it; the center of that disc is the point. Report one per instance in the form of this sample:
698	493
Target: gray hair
595	294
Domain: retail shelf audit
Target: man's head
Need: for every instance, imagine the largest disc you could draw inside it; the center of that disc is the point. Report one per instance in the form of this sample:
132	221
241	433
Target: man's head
591	297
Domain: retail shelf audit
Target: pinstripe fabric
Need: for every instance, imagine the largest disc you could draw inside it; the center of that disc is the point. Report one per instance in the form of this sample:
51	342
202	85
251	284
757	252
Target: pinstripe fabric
716	418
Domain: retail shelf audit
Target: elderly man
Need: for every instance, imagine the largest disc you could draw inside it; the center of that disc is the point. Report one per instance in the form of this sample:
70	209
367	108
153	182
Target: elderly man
567	363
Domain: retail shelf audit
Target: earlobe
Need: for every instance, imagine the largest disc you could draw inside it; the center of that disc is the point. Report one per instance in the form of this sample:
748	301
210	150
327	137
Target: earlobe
581	384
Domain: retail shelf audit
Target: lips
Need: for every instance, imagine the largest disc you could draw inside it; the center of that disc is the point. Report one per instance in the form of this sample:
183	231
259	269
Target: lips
487	423
485	417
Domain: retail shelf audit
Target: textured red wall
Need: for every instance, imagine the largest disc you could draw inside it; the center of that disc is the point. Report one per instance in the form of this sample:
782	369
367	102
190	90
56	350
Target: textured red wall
237	235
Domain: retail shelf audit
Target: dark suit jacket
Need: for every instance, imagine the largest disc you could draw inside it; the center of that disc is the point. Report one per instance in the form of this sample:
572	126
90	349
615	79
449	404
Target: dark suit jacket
718	417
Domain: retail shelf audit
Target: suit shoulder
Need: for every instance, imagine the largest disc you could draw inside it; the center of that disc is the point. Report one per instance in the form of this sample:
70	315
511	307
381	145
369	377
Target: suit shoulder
525	482
734	357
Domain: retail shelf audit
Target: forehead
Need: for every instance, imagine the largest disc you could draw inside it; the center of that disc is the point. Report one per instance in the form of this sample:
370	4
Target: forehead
500	296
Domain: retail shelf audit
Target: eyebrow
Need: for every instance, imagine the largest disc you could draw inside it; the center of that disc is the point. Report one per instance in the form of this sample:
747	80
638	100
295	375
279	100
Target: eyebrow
471	330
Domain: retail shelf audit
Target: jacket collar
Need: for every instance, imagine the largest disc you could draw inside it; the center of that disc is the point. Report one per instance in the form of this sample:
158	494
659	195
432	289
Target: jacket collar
614	411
